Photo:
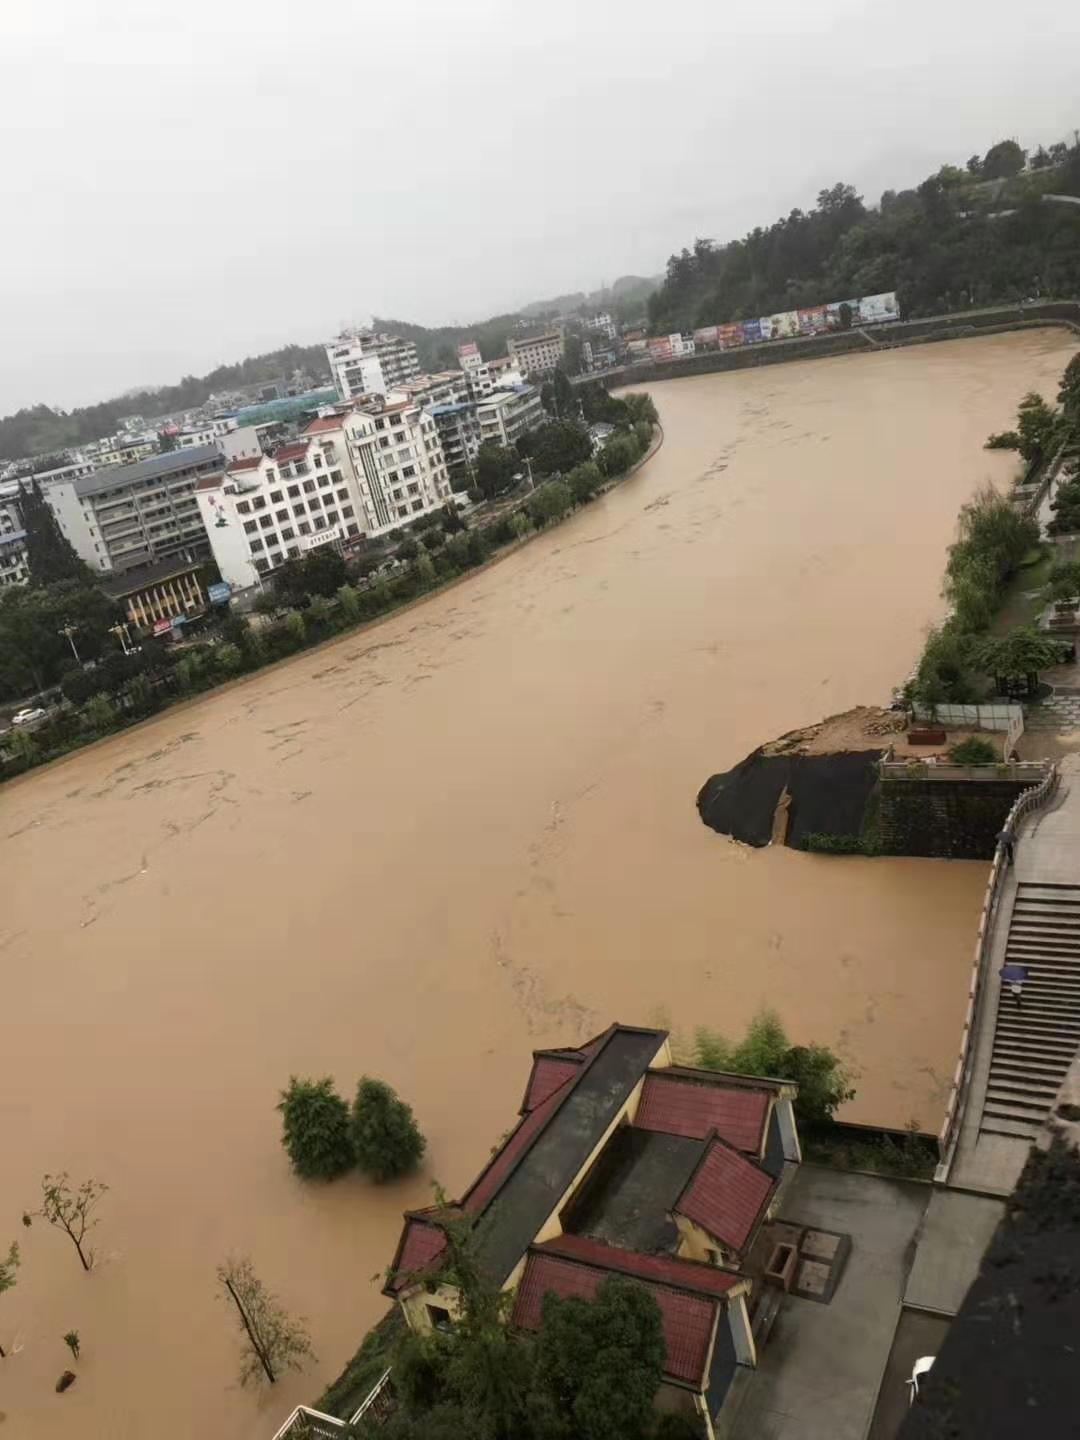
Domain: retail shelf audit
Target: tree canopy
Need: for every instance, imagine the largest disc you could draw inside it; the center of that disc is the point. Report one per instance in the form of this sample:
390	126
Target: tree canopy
384	1133
315	1129
50	554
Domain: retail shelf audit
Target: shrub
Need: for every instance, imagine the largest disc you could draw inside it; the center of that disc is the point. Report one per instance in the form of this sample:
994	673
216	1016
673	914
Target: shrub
315	1126
1063	581
408	550
385	1136
99	713
823	1080
584	481
78	685
295	627
840	844
974	751
425	571
228	658
549	502
318	610
139	694
188	670
349	603
520	524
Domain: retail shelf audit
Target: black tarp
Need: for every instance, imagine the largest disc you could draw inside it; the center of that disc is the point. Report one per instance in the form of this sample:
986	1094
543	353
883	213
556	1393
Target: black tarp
829	794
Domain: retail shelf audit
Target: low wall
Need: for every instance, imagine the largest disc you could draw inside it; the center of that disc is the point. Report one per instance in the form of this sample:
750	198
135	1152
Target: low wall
946	818
877	337
1001	715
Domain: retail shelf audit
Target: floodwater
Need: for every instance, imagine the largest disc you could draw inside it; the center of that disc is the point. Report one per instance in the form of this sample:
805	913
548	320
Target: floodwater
432	846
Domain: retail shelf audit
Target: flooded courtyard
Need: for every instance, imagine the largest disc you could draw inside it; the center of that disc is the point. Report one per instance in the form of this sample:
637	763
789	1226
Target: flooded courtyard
429	847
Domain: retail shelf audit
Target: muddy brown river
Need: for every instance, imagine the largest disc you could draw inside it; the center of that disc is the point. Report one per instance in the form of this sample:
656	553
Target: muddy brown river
431	846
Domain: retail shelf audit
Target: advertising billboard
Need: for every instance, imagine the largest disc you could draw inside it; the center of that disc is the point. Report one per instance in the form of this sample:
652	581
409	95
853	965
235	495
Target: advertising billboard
873	309
834	315
751	331
765	322
729	335
218	594
467	347
162	627
707	336
660	349
812	320
785	325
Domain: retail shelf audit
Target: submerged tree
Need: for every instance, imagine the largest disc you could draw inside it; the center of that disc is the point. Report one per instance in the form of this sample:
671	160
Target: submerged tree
315	1124
273	1340
7	1276
385	1136
69	1210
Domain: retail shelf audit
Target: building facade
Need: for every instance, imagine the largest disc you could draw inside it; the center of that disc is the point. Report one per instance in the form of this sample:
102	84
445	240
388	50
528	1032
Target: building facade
459	435
14	567
160	597
135	515
364	363
539	354
508	413
398	460
625	1163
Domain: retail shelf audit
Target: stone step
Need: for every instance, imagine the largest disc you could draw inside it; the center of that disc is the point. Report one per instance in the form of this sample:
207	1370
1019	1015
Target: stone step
1026	1066
1052	887
1023	1089
1018	1106
1038	1014
1015	1129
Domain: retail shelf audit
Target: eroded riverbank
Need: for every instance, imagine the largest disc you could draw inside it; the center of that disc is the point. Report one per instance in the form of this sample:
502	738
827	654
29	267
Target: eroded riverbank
422	851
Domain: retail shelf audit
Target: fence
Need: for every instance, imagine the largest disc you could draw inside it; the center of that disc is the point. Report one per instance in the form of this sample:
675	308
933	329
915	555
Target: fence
961	1086
307	1424
995	715
1029	772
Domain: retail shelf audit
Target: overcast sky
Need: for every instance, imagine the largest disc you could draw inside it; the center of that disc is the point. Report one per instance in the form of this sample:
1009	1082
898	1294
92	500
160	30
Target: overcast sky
189	183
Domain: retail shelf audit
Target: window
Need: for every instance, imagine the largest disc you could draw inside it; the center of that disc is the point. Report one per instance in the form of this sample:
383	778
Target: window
384	443
331	517
324	481
288	534
343	494
294	491
354	529
409	471
243	507
255	544
320	522
439	1317
347	511
275	497
713	1256
266	521
259	503
417	505
402	511
270	477
335	476
309	487
414	489
262	565
282	517
314	503
250	527
304	528
299	508
317	460
293	551
396	495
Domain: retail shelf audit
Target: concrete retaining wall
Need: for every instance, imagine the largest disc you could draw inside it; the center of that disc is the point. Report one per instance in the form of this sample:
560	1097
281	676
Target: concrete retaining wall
947	819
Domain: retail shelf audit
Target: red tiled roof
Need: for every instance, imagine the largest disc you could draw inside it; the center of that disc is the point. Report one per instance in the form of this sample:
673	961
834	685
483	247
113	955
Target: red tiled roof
245	462
669	1269
726	1195
421	1246
687	1320
210	482
548	1073
695	1108
324	422
506	1157
295	451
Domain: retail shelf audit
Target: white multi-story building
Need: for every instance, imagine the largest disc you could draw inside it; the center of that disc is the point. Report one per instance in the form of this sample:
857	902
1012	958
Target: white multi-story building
604	324
14	568
133	515
490	375
539	354
363	363
507	413
350	475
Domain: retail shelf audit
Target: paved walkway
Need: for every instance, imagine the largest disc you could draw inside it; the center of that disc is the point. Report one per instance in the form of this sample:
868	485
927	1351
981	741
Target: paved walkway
1047	851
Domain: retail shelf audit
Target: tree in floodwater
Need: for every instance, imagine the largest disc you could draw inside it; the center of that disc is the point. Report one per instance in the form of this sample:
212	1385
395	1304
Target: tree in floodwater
69	1210
7	1277
273	1340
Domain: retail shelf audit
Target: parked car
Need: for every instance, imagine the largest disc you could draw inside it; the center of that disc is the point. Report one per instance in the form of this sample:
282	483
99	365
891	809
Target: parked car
919	1372
28	716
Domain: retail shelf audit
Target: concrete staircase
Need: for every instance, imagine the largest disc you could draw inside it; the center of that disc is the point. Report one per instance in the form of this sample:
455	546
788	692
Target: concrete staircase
1035	1041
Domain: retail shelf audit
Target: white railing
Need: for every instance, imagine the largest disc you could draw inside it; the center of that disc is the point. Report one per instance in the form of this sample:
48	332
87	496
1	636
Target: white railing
305	1422
961	1085
1027	772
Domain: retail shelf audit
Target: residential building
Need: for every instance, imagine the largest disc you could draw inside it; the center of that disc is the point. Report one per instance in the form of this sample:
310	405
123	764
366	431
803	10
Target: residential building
539	354
14	566
208	432
365	363
134	515
489	375
598	353
623	1163
398	460
459	435
604	324
159	597
507	413
445	387
124	450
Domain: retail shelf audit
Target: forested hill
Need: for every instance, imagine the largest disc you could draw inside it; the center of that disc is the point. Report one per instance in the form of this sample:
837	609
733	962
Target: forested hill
40	430
968	236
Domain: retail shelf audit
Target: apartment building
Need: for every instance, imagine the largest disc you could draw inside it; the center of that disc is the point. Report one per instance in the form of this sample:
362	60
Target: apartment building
14	566
603	324
507	413
364	363
539	354
133	515
398	458
459	435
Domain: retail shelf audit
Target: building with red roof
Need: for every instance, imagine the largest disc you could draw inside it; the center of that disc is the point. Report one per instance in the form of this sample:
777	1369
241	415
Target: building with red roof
623	1163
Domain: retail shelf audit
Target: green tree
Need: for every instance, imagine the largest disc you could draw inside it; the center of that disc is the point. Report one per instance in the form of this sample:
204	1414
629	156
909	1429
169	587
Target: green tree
228	658
166	442
1019	655
823	1081
549	502
1002	160
620	452
559	445
386	1139
584	481
8	1268
496	466
295	627
315	1129
425	571
70	1210
599	1364
1063	580
349	601
49	554
99	714
273	1340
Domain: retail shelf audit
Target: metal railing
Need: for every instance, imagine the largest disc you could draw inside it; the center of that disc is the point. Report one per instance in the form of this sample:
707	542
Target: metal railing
1029	772
960	1092
305	1422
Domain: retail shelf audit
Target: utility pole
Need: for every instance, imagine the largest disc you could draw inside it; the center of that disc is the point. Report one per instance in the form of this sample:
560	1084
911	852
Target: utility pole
69	630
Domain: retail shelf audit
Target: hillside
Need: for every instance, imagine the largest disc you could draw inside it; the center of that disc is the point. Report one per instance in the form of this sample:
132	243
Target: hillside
963	237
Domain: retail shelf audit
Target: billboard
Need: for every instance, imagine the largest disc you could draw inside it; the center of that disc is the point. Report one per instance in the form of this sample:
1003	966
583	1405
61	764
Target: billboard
467	347
765	321
660	349
812	320
834	316
707	335
751	331
218	594
785	325
729	335
873	309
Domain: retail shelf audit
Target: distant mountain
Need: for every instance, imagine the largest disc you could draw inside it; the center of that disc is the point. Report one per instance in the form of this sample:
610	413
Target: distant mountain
627	292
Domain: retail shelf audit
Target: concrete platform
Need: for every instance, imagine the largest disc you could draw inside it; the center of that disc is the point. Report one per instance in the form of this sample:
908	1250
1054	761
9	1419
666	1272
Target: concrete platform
956	1230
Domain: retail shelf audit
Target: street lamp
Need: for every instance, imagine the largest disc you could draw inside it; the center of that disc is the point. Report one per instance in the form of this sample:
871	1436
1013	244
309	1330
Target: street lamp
121	633
69	631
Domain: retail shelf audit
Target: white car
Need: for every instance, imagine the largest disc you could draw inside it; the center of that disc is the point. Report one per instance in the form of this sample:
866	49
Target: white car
28	716
919	1372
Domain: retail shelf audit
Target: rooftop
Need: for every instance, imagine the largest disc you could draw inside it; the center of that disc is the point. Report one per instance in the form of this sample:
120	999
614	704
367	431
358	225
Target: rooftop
171	463
727	1195
118	586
